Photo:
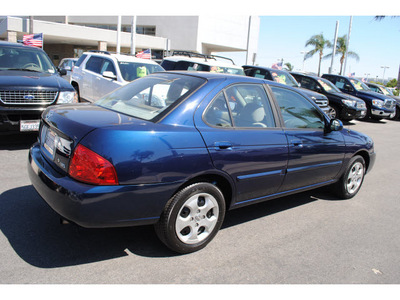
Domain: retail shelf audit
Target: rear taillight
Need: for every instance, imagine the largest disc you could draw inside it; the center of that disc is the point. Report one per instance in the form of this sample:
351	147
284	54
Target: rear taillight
89	167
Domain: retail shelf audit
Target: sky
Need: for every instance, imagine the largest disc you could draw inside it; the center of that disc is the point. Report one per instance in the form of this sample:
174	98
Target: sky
377	43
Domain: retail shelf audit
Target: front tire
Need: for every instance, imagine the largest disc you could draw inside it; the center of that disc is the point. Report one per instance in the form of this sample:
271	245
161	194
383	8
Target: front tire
350	182
192	218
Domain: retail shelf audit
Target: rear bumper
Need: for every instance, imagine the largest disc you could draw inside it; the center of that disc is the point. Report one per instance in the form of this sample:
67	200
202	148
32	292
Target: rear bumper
97	206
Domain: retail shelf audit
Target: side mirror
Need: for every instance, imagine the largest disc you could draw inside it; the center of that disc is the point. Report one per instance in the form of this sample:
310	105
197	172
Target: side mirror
335	125
109	74
62	72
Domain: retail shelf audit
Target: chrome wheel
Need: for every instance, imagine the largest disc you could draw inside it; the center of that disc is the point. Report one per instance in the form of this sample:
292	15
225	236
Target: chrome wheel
355	177
197	218
332	113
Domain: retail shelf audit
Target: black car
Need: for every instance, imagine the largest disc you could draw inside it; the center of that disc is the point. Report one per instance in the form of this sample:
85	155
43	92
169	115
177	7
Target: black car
343	106
383	90
378	105
285	78
29	83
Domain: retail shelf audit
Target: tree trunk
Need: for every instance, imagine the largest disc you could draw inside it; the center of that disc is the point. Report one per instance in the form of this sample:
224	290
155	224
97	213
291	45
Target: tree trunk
319	63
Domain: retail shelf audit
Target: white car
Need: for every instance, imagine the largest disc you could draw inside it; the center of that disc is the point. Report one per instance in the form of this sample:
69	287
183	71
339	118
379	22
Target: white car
98	73
67	64
192	61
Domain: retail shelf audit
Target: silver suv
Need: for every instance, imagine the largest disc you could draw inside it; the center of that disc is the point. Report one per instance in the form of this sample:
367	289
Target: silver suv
98	73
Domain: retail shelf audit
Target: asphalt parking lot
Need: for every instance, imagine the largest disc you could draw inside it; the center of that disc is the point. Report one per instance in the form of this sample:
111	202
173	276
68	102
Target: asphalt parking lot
309	238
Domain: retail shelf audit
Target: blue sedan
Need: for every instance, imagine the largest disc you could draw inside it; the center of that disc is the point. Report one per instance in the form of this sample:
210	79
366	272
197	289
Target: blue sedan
179	149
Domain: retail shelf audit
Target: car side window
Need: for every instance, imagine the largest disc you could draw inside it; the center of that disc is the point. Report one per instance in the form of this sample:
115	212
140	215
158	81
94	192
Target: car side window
308	83
217	114
108	65
342	84
263	74
80	60
297	111
94	64
249	106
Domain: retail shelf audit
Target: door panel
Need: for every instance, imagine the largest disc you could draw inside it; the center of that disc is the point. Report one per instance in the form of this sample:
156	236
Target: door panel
315	156
246	145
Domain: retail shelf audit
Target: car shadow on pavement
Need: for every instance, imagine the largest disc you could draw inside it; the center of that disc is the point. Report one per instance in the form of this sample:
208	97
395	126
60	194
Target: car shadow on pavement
34	231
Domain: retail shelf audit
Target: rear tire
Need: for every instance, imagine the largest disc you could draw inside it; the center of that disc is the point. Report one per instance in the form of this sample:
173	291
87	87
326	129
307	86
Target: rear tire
191	218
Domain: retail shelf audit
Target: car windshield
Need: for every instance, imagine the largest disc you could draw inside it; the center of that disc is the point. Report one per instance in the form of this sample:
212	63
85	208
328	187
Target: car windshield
359	85
386	92
133	70
284	78
148	97
328	86
26	59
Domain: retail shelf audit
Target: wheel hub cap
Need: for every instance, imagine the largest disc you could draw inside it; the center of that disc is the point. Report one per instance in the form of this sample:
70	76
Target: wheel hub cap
197	218
355	177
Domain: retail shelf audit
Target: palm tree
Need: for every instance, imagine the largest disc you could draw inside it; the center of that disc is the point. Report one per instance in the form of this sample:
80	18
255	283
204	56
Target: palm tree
319	44
289	66
341	49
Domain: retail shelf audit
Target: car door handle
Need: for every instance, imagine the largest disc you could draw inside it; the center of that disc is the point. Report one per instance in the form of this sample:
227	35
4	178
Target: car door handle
297	143
223	145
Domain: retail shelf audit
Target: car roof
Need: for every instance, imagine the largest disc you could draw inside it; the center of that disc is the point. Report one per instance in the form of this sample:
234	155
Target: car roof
228	77
307	75
209	61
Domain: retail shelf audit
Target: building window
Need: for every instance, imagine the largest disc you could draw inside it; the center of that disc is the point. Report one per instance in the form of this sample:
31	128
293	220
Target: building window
146	30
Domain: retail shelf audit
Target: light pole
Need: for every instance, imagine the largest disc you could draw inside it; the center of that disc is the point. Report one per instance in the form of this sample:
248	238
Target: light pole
384	69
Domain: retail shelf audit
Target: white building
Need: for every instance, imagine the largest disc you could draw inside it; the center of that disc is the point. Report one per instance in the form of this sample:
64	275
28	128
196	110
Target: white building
69	36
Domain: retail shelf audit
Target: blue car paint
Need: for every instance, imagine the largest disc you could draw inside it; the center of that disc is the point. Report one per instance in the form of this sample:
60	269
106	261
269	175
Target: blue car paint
154	160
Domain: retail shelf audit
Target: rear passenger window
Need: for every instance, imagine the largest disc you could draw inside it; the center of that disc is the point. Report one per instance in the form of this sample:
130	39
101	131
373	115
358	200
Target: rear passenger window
217	113
241	105
297	111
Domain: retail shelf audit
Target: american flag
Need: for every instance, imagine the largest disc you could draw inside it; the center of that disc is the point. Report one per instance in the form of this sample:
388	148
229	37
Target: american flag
277	66
35	40
146	54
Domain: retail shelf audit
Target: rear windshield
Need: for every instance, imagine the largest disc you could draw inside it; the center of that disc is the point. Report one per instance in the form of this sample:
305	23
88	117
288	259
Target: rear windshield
148	97
25	59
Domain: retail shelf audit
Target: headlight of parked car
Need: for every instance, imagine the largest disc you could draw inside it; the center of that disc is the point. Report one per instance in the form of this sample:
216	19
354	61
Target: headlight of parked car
378	103
349	102
67	97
